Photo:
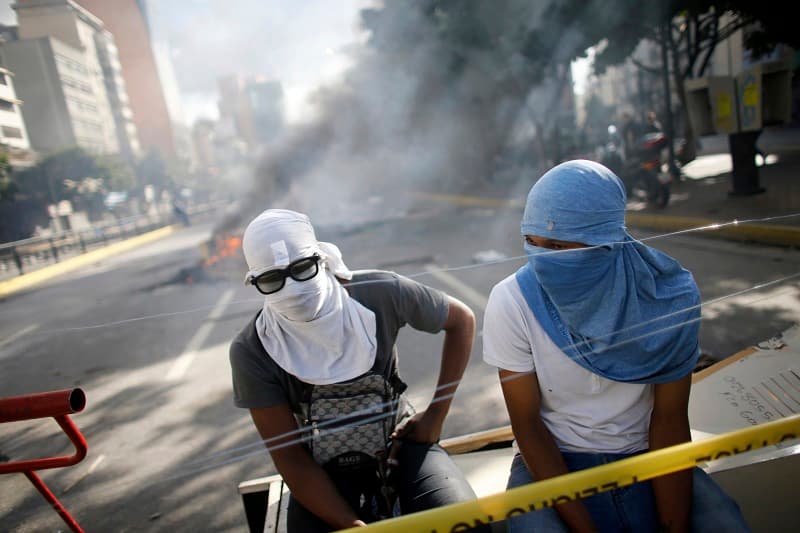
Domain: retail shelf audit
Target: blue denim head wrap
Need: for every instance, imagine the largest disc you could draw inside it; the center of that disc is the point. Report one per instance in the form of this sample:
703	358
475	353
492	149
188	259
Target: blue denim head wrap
579	201
620	309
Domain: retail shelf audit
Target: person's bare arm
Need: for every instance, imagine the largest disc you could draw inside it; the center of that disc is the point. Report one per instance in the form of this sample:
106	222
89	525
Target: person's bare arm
669	425
459	328
306	479
539	450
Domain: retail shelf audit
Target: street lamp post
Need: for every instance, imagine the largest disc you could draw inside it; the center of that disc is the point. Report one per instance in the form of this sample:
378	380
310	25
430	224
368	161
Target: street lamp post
673	169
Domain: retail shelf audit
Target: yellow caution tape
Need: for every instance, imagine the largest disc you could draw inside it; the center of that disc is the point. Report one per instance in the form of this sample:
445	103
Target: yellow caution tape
547	493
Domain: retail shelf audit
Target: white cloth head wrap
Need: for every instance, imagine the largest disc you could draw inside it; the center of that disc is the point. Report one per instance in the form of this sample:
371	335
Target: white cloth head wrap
312	329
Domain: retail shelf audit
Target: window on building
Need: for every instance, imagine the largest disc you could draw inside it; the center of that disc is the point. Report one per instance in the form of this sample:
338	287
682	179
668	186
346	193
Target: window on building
9	132
71	64
3	80
6	105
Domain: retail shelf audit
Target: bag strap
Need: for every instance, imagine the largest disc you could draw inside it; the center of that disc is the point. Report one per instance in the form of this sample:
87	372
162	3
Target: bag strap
398	385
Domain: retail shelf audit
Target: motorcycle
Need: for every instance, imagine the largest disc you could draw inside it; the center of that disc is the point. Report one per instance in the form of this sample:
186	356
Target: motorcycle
642	170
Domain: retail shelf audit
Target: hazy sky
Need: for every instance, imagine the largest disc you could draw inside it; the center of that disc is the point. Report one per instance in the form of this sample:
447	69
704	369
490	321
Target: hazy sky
300	43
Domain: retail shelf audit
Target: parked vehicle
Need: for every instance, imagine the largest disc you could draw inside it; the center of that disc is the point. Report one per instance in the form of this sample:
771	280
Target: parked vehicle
641	170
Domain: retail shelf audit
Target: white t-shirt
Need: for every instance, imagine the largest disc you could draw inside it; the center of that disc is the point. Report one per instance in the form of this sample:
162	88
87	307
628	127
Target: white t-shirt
583	411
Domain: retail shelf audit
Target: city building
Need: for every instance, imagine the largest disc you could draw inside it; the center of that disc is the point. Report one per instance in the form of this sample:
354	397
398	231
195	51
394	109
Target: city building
127	134
254	106
628	88
730	57
8	33
203	140
62	108
75	27
266	104
145	74
13	135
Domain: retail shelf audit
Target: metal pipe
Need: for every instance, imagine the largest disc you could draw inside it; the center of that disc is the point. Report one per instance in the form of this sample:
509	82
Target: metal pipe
670	128
42	405
56	404
52	500
75	436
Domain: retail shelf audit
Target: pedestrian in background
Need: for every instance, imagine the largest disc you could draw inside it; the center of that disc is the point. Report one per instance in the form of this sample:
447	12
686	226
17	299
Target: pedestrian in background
652	124
630	131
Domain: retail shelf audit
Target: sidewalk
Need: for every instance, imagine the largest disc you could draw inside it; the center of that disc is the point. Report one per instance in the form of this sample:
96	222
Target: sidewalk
22	282
702	199
12	282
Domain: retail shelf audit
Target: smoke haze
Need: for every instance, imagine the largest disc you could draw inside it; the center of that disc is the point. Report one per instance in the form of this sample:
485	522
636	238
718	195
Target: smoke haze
416	112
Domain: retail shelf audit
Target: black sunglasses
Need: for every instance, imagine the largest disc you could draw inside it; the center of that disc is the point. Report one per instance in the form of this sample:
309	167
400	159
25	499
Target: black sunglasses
300	270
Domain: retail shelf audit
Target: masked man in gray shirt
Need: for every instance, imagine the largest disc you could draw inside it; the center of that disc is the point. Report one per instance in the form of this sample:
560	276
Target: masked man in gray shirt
317	368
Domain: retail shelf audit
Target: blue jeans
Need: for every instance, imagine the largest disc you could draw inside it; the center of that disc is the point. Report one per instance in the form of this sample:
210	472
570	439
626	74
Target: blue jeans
428	478
631	508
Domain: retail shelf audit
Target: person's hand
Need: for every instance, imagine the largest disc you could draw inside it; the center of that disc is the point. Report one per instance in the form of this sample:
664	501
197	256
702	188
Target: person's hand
358	523
422	427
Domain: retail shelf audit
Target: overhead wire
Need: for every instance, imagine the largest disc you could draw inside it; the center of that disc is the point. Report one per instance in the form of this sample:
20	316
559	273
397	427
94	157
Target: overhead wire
301	435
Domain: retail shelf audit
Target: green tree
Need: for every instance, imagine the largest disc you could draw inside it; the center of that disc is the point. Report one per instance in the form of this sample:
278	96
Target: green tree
8	187
689	31
479	61
518	45
152	170
76	175
118	173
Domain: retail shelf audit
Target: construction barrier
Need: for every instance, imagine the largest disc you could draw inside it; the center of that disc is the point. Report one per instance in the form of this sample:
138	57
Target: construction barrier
56	404
575	485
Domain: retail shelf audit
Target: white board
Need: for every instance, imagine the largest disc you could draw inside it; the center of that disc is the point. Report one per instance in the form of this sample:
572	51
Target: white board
754	386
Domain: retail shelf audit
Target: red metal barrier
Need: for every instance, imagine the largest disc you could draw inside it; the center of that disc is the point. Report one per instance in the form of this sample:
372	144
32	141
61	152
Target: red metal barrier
56	404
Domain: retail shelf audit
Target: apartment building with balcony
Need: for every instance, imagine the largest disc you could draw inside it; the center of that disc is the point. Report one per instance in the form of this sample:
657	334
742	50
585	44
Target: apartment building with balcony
12	127
61	107
127	133
13	135
147	71
73	25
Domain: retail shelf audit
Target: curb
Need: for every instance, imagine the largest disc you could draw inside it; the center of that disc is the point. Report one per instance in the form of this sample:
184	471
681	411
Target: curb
771	234
26	281
759	233
472	201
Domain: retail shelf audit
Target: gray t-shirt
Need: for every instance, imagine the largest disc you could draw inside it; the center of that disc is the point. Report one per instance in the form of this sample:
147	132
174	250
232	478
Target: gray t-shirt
396	301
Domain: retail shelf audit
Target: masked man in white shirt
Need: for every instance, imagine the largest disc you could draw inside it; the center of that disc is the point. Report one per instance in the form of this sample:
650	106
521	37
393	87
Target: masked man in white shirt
595	339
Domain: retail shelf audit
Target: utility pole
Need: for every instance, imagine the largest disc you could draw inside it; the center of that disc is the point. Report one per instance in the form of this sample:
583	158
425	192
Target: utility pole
668	124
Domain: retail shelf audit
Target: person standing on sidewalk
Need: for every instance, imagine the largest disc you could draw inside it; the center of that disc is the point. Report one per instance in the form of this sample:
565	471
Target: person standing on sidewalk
630	131
652	124
320	356
595	339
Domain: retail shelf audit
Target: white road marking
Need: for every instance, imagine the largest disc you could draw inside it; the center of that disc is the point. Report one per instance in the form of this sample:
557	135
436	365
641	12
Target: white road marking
182	363
468	293
91	469
21	333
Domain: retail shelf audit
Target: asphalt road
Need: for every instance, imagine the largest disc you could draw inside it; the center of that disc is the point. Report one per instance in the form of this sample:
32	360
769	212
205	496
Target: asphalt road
146	334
